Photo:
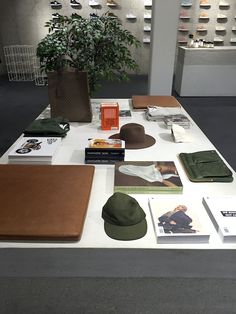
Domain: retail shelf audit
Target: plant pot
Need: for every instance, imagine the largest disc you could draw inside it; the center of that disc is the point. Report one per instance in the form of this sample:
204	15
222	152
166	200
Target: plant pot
69	95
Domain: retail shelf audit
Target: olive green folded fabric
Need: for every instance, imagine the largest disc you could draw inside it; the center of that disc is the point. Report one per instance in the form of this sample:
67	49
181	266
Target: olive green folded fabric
48	127
205	166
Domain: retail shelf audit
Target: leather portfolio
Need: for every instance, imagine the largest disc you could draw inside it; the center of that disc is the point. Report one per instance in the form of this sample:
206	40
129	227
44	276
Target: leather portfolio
205	166
44	202
143	101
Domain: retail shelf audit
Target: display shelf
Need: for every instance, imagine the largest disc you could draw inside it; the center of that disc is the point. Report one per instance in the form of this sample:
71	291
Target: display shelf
205	5
233	40
40	77
183	29
201	29
19	62
147	28
186	5
184	15
94	3
75	4
182	40
147	16
148	3
224	4
146	40
131	16
222	17
111	3
203	16
55	5
220	28
218	40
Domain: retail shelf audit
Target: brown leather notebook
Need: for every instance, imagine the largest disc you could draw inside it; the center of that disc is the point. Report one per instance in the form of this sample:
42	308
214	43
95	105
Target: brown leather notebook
44	202
142	101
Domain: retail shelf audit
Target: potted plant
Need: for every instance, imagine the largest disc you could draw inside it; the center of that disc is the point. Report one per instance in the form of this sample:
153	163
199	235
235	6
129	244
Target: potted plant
78	53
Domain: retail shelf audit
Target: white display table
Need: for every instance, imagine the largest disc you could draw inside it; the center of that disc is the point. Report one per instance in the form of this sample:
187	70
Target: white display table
206	71
96	253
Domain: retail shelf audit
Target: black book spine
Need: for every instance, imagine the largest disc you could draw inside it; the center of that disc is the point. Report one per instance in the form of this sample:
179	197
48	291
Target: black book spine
104	152
104	161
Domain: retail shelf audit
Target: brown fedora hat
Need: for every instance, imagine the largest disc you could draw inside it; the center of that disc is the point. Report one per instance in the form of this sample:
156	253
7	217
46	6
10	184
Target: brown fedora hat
134	136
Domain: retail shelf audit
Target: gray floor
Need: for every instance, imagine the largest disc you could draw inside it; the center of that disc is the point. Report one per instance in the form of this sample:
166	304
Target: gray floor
117	296
20	103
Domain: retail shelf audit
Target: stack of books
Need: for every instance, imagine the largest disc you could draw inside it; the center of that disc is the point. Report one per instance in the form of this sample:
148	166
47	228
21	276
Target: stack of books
179	119
34	150
104	151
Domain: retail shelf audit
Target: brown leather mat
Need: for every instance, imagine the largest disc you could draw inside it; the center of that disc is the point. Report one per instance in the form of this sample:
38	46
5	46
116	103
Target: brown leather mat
142	101
44	202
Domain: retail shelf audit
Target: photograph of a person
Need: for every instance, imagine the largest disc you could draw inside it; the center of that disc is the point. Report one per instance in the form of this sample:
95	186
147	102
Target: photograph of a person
162	172
177	221
147	177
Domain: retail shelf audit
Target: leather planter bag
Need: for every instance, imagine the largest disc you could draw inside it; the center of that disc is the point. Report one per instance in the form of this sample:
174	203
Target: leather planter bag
69	95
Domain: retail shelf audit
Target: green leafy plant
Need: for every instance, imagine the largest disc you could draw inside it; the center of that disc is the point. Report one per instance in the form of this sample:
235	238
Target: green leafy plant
98	45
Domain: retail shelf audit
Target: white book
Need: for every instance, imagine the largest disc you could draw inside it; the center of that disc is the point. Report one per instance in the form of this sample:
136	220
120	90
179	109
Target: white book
222	211
177	220
34	150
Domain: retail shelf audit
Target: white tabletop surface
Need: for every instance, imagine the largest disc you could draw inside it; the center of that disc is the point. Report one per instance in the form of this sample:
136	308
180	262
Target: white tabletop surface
71	152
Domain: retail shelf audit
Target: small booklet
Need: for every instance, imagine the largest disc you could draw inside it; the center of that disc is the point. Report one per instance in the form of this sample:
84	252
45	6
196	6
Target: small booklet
125	113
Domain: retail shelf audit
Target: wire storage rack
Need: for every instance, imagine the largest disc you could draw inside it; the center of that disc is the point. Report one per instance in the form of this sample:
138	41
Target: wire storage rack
19	62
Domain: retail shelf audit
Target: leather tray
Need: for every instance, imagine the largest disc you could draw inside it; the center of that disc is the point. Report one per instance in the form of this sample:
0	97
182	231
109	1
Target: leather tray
44	202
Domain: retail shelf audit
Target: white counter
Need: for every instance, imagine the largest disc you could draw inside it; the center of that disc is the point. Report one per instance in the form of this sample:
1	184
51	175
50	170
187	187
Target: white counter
206	71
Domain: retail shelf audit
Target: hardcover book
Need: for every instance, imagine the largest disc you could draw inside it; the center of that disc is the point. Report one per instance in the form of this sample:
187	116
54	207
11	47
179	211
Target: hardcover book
147	177
34	150
222	211
176	220
109	116
104	151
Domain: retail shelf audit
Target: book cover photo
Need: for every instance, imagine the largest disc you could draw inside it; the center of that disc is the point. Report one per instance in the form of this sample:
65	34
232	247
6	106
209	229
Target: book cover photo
147	177
106	143
222	211
178	220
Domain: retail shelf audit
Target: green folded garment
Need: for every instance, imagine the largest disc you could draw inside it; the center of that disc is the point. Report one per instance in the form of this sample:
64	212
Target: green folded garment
205	166
48	127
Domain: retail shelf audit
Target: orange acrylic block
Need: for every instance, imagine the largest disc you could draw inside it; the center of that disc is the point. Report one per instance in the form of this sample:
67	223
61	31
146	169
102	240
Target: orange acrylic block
110	116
